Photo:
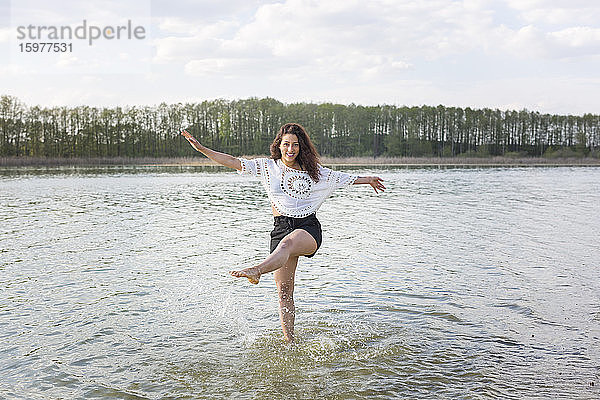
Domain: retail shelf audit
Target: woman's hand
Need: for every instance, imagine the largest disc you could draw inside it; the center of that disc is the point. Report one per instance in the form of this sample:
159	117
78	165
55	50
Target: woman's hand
374	181
219	158
195	144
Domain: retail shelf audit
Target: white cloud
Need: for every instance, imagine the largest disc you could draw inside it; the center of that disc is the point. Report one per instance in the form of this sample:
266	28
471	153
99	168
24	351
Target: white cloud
532	42
206	41
348	36
525	42
550	95
579	37
13	70
214	66
369	47
468	53
352	39
432	29
205	11
67	60
6	34
557	12
175	25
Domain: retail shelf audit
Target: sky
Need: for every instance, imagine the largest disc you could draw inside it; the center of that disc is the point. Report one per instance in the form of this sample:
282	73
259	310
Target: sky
541	55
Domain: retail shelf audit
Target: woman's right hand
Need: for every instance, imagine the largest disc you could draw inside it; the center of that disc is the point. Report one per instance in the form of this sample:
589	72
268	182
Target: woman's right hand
219	158
195	144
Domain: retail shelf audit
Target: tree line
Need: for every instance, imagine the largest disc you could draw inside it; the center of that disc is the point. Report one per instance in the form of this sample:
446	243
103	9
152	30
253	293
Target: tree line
247	127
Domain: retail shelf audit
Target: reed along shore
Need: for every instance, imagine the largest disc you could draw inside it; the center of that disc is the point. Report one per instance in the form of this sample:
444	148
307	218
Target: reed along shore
351	161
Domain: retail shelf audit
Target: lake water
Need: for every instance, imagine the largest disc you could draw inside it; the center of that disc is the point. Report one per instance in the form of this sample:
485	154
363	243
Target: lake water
454	283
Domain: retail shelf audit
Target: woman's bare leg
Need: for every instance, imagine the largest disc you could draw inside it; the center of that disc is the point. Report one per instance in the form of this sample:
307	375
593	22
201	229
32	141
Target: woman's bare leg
284	279
296	243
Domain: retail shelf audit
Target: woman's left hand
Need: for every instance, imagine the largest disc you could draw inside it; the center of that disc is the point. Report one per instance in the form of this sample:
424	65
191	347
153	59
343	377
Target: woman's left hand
376	183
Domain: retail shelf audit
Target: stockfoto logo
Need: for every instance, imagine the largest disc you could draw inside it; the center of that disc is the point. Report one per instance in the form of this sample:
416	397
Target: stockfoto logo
84	31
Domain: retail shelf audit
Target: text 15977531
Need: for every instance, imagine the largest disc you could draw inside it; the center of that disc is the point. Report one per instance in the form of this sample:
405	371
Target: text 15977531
47	47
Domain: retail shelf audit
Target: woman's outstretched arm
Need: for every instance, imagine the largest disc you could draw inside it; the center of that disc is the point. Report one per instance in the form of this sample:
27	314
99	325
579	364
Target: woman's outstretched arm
374	181
220	158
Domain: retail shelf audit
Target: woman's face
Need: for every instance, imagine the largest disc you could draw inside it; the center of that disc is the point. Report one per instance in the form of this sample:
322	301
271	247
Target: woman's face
290	148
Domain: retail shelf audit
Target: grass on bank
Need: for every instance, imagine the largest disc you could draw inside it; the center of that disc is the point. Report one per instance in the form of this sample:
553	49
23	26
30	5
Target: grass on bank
399	161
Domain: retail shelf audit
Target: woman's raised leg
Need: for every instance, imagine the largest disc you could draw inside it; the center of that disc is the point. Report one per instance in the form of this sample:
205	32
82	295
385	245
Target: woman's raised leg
284	279
296	243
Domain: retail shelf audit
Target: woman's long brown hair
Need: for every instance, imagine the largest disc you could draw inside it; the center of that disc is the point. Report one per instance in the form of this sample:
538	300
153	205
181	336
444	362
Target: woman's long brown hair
308	157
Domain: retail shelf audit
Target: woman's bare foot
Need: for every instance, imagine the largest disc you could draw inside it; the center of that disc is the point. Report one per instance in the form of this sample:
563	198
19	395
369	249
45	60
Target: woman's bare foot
252	273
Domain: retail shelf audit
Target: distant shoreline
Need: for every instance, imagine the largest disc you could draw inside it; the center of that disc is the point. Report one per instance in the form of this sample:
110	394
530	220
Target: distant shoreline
334	161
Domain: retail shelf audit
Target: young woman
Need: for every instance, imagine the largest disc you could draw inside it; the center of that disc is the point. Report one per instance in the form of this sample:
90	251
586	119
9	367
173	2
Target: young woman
296	185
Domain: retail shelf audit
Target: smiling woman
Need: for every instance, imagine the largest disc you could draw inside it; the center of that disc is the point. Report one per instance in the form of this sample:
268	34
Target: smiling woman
296	185
287	144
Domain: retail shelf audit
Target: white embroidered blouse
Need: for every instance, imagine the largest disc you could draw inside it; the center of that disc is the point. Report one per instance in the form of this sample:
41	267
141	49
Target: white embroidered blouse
292	192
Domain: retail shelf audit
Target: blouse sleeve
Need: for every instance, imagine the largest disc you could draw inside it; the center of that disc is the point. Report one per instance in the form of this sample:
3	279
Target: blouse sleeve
250	167
337	179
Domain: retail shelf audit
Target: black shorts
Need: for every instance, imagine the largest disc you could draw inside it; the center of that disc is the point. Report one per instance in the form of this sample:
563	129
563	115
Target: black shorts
285	225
